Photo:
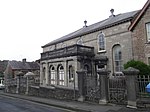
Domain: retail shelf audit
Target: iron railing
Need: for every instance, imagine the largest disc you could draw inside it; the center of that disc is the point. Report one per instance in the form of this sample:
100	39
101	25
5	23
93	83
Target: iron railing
142	82
117	90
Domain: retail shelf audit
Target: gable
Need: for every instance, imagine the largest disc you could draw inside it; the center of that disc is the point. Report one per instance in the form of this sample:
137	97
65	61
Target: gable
139	16
109	22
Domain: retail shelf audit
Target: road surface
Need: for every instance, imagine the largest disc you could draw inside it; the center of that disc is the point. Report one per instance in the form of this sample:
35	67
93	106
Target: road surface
8	104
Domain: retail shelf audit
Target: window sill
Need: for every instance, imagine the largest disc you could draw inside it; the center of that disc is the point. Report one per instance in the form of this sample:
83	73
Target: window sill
102	51
148	42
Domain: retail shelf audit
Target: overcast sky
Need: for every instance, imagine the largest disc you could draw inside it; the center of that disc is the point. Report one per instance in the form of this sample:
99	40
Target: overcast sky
26	25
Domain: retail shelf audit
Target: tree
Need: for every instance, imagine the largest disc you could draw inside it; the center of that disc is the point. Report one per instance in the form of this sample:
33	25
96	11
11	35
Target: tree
142	67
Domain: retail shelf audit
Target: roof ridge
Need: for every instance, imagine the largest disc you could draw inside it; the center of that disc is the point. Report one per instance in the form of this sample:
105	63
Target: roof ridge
108	22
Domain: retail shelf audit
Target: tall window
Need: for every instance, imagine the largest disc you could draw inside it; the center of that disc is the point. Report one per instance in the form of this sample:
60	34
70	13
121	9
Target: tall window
148	31
117	57
61	75
101	42
52	75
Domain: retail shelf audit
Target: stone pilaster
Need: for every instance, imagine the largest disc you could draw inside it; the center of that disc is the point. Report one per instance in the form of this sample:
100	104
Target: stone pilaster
103	74
131	74
47	74
41	74
66	73
81	75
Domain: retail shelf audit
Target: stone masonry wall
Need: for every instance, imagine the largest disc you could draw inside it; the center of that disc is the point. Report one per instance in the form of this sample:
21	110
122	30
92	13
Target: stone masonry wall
118	34
58	93
141	47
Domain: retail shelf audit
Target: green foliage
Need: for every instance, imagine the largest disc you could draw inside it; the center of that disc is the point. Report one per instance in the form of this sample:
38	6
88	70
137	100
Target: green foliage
142	67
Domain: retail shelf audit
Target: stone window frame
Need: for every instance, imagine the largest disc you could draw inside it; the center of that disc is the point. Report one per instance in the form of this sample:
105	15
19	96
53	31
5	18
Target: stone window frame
101	42
147	25
148	60
71	74
117	58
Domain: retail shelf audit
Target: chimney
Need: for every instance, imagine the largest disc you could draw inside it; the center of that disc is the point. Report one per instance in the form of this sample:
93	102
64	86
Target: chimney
24	60
85	22
112	13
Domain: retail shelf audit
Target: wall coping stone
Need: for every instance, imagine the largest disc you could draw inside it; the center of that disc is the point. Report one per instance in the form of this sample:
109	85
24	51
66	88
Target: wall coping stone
131	71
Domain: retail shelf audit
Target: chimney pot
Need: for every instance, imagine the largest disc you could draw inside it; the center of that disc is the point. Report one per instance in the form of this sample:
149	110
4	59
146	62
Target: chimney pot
85	22
112	13
24	60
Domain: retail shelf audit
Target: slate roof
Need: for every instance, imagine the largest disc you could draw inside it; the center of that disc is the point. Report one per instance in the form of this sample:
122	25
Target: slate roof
18	65
111	21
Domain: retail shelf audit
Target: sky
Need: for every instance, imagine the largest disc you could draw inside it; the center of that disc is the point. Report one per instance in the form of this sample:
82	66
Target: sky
26	25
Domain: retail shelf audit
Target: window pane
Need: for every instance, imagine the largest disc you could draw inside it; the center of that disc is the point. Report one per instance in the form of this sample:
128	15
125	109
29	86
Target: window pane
117	58
101	42
52	75
61	75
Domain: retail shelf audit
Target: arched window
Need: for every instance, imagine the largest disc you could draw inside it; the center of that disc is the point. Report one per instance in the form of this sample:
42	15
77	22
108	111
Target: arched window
52	75
117	57
61	75
101	42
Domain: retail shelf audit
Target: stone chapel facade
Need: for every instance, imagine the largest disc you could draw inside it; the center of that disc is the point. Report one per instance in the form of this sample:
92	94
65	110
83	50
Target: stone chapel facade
103	45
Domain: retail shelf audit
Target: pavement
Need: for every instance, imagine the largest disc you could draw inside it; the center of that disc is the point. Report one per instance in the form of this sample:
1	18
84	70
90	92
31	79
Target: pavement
75	105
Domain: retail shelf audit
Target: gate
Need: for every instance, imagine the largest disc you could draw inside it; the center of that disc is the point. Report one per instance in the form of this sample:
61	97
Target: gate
117	90
91	89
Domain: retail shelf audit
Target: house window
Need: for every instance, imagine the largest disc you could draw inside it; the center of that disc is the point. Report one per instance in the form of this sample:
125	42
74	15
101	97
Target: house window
71	74
148	31
61	75
52	75
117	57
101	42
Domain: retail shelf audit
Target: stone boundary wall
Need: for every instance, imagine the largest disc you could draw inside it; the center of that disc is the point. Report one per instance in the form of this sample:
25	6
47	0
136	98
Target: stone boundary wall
57	93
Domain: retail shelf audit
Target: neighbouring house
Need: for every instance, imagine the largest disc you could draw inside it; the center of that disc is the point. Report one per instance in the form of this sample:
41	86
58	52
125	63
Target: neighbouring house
140	30
18	69
15	67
